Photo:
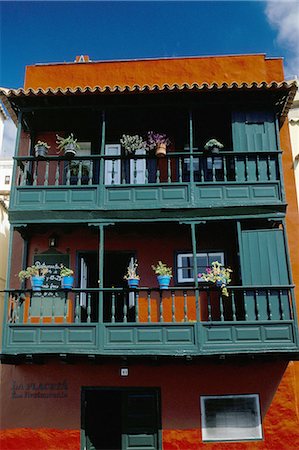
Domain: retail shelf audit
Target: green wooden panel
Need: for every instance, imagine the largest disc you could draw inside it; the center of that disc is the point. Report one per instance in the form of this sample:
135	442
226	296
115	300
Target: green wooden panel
264	262
254	131
264	258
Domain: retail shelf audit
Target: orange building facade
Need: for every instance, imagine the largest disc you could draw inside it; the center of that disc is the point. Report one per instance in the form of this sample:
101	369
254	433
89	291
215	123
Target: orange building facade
102	366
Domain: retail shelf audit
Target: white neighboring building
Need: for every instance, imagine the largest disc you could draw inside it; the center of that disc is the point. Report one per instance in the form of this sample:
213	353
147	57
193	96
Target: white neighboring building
294	133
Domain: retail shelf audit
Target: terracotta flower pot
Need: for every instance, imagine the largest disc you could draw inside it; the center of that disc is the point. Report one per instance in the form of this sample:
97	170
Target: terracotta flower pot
161	150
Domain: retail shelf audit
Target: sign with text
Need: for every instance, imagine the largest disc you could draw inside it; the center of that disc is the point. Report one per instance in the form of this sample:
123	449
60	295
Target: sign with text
52	277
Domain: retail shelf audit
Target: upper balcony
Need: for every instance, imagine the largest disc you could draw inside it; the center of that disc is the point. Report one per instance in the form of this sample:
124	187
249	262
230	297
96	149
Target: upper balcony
142	183
244	178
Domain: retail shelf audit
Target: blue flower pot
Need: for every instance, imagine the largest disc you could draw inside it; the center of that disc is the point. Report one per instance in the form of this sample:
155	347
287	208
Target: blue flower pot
37	283
67	282
164	281
133	283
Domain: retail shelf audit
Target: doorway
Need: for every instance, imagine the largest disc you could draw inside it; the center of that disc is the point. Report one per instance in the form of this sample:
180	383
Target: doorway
88	265
121	418
115	267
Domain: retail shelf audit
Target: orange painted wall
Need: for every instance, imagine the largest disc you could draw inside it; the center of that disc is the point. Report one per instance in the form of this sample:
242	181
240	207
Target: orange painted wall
219	69
181	387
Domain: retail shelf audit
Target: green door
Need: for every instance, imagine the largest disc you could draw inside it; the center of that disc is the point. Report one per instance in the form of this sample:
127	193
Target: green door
254	131
264	263
120	419
140	424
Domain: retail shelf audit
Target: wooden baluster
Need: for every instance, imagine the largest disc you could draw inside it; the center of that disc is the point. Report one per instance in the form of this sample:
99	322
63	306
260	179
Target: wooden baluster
113	307
180	170
41	311
77	309
224	167
35	172
89	307
235	168
168	170
125	309
256	304
234	306
53	310
161	307
246	168
79	180
57	173
136	306
245	307
146	176
202	173
209	306
113	171
269	170
173	305
65	307
135	171
30	308
221	307
213	168
148	305
46	181
24	181
282	314
68	174
185	307
18	310
158	176
90	174
257	168
269	305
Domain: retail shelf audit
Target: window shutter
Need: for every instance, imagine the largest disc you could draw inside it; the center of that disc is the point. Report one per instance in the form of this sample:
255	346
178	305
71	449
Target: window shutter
112	167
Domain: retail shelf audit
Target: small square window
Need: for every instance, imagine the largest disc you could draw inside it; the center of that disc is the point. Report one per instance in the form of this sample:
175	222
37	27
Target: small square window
7	179
185	264
231	418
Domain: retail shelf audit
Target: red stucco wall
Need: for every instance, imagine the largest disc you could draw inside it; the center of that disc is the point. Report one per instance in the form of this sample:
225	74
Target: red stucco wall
35	423
219	69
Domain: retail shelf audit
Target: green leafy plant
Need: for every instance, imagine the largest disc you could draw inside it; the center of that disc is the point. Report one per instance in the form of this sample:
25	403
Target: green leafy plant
162	269
132	271
132	143
42	144
217	274
65	271
33	271
62	142
212	143
74	170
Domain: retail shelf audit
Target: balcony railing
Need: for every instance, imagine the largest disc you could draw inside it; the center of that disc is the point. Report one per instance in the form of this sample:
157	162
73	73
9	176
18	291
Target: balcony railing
198	320
143	169
140	182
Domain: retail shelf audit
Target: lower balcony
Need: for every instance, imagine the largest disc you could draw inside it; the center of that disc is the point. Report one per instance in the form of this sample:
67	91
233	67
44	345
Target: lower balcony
145	321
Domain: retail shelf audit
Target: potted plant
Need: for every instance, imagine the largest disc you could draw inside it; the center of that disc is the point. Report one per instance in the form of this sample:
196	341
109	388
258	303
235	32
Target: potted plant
36	273
131	275
213	146
74	173
69	145
132	143
164	274
67	279
41	149
158	142
217	274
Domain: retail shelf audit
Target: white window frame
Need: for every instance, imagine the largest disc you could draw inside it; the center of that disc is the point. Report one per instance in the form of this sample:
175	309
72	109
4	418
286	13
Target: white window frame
219	256
231	433
112	150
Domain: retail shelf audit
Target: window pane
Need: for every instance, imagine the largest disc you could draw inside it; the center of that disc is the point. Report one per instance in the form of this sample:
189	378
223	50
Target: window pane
230	418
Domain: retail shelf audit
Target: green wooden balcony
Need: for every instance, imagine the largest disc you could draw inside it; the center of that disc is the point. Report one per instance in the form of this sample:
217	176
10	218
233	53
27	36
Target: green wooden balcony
146	321
115	183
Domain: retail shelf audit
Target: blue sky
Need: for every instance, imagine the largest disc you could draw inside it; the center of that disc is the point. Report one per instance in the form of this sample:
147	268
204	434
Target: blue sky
54	31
